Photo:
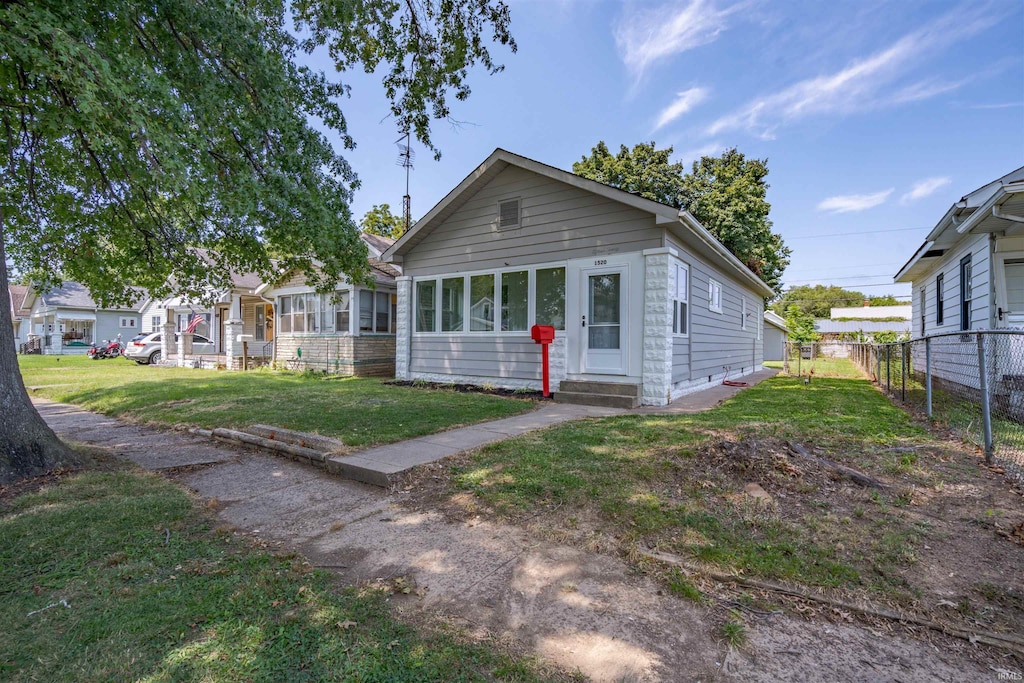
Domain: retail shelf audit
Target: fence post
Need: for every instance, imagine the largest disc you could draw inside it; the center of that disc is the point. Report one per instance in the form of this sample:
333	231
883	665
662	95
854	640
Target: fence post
888	368
928	376
878	362
903	372
986	407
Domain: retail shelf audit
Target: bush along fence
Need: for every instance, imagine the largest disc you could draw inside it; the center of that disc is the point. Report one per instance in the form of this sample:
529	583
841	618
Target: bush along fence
970	382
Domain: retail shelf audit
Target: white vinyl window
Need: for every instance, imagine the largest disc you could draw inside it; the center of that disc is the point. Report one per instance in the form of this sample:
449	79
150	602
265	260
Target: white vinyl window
681	302
374	311
743	314
714	296
129	323
301	313
504	301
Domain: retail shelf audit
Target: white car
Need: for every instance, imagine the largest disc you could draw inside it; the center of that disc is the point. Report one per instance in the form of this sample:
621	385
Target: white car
145	348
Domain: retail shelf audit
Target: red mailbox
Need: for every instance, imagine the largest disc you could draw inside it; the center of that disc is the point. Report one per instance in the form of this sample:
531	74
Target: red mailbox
544	335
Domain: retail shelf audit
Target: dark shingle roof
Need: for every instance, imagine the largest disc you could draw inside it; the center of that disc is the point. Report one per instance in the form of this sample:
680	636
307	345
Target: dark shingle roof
18	294
376	241
75	295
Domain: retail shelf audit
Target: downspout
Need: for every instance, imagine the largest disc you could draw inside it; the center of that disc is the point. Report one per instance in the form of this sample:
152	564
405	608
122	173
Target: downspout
992	302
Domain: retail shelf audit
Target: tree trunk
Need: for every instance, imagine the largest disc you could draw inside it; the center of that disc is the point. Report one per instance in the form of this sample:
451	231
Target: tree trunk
28	447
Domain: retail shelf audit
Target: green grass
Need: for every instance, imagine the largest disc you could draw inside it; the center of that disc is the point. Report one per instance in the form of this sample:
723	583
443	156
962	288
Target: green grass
155	594
646	478
360	411
839	368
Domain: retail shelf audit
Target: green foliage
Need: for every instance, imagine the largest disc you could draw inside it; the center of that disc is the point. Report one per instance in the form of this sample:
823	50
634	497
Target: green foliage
818	301
154	593
726	194
644	170
889	337
134	133
380	221
801	326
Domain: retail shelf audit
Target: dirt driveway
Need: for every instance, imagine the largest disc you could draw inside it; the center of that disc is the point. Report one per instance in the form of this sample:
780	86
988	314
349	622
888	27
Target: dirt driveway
584	611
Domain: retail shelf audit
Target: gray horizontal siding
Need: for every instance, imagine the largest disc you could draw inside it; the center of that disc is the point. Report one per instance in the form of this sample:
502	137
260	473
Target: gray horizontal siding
981	285
487	356
680	359
717	339
559	222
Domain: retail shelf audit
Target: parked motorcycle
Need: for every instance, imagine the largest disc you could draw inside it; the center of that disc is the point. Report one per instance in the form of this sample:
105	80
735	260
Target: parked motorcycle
111	348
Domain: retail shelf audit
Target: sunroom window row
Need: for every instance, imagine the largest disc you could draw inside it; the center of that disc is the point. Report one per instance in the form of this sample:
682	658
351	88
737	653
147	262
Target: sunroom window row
330	313
503	301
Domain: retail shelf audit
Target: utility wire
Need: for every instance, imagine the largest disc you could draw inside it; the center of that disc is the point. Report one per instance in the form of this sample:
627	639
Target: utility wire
851	234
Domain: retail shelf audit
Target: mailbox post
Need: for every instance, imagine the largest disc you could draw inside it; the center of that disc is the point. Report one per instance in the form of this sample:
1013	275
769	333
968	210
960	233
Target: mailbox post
544	335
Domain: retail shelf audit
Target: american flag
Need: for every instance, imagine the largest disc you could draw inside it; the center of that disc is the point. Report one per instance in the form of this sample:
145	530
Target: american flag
197	320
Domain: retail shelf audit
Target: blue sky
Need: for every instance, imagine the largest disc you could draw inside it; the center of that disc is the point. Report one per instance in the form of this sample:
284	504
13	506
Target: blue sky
874	116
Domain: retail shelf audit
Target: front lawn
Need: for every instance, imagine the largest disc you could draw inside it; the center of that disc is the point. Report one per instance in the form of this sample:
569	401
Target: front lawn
118	576
360	411
724	491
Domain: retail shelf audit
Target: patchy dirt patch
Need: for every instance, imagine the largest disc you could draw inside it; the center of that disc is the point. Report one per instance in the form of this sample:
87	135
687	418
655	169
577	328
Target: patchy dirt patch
530	394
938	537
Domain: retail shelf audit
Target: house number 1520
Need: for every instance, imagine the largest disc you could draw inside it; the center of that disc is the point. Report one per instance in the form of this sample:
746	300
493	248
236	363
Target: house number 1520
601	262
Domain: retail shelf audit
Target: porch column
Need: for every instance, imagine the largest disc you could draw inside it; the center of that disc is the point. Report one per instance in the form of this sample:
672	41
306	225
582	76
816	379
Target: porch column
403	331
232	347
57	338
167	348
184	348
657	346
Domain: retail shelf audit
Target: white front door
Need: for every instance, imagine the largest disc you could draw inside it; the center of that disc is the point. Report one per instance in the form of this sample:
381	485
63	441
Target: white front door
1013	279
603	322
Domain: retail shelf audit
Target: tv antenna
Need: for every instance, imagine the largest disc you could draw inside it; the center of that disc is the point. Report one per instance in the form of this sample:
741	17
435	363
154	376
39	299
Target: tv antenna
405	159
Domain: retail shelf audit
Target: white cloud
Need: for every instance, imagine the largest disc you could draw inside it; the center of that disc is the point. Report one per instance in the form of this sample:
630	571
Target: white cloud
923	188
684	102
848	203
708	150
867	83
646	36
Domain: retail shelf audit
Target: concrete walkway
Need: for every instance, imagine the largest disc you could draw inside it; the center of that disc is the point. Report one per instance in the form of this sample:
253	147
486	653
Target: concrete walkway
381	464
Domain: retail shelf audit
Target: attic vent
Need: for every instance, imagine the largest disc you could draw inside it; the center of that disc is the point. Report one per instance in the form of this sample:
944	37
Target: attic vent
508	214
934	253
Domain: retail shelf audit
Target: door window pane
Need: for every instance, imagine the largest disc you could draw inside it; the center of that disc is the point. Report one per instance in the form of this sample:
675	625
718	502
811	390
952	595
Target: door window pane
515	296
381	313
481	303
604	299
605	337
425	291
453	297
1015	286
550	297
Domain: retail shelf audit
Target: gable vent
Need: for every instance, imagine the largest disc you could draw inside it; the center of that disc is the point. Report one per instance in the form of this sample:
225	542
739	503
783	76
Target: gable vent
508	214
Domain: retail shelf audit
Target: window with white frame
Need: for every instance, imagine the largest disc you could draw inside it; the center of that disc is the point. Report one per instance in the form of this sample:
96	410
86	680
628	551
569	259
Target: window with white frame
128	323
681	301
374	311
299	313
743	313
156	321
714	296
501	301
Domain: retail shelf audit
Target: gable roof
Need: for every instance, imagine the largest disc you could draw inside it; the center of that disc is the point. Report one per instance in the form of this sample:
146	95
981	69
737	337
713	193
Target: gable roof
76	295
376	243
18	295
500	159
775	320
997	206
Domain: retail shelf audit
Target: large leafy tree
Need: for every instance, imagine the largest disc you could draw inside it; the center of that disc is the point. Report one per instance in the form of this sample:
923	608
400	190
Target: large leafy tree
133	133
817	301
380	221
727	194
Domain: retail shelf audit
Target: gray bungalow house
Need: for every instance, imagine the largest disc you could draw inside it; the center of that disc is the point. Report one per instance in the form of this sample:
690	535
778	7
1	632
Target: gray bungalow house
646	303
66	320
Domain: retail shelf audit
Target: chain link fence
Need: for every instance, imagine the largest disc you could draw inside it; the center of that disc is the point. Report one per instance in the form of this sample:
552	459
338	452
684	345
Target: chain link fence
972	383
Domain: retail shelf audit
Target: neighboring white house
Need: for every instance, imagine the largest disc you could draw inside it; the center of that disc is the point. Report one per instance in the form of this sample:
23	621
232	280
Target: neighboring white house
19	314
969	273
646	303
65	320
776	334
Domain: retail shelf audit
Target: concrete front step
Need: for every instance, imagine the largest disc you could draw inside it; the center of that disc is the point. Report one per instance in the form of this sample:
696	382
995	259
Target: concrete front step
606	388
591	399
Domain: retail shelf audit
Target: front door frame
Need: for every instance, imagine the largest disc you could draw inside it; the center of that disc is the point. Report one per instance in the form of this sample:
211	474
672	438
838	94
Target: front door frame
622	270
1001	292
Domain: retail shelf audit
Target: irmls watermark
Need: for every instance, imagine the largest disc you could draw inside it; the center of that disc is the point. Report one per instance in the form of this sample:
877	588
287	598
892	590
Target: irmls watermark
1005	675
